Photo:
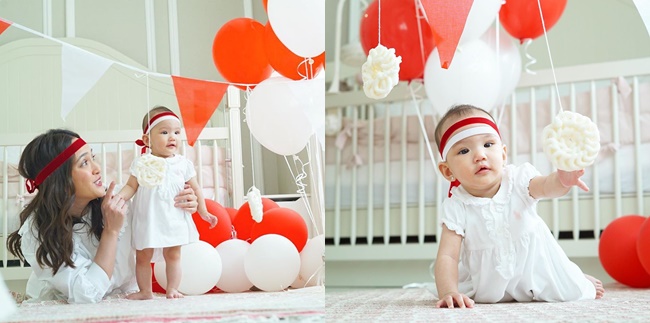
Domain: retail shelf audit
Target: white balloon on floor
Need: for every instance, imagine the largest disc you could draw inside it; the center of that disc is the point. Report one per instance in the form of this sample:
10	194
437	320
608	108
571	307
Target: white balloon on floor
312	263
272	263
233	277
200	269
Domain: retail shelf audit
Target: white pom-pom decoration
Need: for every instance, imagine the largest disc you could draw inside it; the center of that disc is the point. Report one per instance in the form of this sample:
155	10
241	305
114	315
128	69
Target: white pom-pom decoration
255	203
150	170
380	72
571	141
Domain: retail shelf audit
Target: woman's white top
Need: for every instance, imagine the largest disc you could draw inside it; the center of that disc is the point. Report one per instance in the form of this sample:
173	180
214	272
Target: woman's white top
508	252
87	282
157	223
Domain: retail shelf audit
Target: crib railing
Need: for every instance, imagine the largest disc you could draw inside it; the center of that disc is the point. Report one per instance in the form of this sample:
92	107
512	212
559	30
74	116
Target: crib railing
380	226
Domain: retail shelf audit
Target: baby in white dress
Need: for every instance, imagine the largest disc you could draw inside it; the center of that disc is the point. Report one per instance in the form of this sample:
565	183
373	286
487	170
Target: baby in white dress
155	179
494	247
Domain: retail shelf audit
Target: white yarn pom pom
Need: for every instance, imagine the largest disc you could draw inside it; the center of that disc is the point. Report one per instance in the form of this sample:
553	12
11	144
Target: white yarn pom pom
380	72
255	203
571	141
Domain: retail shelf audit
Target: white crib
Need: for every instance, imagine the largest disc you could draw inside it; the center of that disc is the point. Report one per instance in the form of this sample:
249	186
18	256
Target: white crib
382	190
108	118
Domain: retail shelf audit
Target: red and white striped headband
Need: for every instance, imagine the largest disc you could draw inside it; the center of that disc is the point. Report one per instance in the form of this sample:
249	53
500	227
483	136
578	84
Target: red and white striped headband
160	117
446	142
32	184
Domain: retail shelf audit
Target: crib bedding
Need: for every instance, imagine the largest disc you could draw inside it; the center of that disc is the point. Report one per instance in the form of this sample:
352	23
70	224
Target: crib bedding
605	166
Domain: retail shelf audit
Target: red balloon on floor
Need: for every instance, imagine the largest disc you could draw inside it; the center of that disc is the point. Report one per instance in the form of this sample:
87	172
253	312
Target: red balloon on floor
643	245
244	220
232	212
221	232
285	222
155	287
617	251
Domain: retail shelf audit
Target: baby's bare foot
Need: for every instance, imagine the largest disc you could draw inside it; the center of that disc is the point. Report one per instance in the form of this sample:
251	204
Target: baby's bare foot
141	295
600	291
172	293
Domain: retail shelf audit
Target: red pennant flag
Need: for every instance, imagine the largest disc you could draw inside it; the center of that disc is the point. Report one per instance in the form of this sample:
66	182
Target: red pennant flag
447	20
197	101
4	24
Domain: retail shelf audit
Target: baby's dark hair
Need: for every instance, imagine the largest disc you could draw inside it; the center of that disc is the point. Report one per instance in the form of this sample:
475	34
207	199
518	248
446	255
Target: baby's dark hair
454	112
152	113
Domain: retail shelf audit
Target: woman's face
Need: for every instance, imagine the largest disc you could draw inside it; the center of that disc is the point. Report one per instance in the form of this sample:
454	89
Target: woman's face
86	177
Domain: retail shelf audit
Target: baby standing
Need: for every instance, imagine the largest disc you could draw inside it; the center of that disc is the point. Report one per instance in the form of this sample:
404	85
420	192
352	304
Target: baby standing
155	179
494	247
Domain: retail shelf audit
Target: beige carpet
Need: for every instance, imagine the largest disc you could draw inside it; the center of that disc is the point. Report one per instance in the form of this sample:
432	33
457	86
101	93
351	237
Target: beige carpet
620	304
298	305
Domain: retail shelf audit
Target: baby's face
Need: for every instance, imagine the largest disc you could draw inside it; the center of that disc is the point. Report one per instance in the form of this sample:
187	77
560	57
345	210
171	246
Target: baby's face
165	138
476	161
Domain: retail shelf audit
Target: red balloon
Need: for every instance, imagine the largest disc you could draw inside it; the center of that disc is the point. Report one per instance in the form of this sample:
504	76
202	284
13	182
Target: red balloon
221	232
617	251
155	287
285	62
231	212
643	245
285	222
399	30
238	52
244	220
521	19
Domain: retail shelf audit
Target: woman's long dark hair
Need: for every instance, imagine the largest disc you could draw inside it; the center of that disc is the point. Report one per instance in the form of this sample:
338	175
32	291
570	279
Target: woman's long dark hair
50	208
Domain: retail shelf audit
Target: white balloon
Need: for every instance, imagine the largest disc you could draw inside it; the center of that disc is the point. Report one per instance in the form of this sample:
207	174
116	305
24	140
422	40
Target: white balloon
472	78
272	263
480	18
200	269
233	277
312	263
299	24
276	113
509	61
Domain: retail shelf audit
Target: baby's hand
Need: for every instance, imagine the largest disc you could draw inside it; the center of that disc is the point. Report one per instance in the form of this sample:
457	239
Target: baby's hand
210	219
449	299
568	179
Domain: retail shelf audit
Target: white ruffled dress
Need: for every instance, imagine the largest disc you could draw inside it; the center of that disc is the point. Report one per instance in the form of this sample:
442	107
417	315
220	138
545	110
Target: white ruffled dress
508	252
157	223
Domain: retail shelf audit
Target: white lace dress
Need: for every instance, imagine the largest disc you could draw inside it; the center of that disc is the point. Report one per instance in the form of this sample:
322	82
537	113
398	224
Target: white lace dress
508	251
157	223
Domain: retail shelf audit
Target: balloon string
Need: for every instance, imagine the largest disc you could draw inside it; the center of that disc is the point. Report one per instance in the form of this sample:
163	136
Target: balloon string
314	274
531	59
424	131
379	23
550	58
418	14
247	94
301	186
308	62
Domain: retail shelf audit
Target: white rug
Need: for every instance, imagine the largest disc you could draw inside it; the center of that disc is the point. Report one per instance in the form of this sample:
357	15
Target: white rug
306	304
620	304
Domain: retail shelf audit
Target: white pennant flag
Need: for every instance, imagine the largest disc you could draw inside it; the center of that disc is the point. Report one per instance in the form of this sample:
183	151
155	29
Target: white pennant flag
644	10
80	70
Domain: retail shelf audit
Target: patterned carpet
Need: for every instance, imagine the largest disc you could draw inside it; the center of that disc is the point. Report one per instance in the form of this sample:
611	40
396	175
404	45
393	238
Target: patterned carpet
620	304
298	305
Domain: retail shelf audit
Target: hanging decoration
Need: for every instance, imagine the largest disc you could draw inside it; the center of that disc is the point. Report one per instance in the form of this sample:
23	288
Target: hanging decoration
4	24
197	101
79	72
447	19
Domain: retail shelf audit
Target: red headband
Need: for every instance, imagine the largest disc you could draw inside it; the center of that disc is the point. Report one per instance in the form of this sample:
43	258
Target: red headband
152	123
456	126
32	184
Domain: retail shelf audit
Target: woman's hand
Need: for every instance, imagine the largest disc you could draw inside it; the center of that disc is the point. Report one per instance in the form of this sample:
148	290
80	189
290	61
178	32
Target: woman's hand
568	179
114	210
449	299
187	200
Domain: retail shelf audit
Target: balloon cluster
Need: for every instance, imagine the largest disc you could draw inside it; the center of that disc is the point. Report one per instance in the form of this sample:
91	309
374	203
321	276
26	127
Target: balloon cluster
240	253
624	250
427	34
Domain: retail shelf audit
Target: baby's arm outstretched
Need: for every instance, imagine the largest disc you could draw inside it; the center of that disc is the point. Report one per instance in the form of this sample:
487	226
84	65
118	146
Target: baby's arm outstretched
129	188
202	209
446	271
556	184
